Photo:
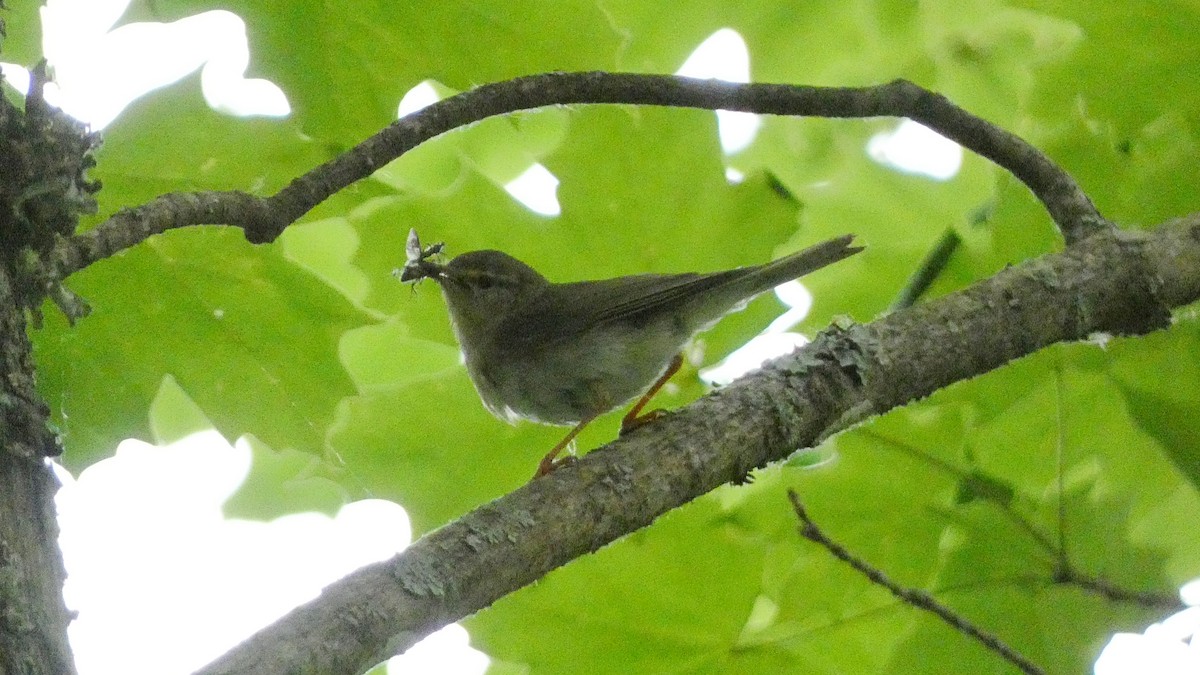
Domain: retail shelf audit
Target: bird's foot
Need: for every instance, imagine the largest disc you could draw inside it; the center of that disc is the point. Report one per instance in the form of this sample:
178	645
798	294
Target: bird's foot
630	423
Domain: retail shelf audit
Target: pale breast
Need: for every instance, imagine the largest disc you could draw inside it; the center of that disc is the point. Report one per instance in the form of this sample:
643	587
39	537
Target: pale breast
571	381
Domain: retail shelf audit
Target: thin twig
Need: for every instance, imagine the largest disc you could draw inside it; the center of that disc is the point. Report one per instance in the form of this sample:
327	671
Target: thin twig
1060	458
1065	573
1149	599
264	218
915	597
930	268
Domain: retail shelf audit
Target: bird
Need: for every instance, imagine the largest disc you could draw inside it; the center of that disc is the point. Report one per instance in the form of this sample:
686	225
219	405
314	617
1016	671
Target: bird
566	353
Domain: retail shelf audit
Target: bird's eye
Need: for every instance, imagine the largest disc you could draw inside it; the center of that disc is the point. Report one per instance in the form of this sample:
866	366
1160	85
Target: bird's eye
485	281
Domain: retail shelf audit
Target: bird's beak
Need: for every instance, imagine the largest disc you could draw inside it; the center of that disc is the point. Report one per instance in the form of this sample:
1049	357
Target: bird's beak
415	270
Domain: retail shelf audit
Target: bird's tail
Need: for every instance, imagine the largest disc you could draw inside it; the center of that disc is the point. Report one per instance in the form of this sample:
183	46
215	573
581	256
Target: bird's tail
798	264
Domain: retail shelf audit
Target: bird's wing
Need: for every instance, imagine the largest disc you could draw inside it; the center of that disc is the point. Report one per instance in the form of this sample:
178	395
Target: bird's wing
567	310
563	311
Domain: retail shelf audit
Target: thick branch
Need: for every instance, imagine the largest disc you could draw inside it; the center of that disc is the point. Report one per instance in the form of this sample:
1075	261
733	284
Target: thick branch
1109	283
33	617
264	218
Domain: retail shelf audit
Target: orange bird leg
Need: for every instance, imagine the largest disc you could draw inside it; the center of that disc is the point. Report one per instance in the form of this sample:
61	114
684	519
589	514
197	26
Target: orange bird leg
633	419
549	463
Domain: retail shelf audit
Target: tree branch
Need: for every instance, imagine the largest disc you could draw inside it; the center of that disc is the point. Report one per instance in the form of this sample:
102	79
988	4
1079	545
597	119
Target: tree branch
915	597
264	218
1118	283
928	271
1150	599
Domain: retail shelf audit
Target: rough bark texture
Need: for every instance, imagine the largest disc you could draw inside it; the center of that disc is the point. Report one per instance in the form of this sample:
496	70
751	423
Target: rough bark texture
33	618
44	158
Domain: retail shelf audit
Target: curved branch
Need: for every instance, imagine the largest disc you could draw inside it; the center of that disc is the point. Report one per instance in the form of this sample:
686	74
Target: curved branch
1118	284
264	218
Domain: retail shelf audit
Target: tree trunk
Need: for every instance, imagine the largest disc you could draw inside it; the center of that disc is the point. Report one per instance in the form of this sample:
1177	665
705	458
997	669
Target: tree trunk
33	617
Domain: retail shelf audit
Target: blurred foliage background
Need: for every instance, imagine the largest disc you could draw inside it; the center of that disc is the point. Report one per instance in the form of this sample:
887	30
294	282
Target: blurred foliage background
351	386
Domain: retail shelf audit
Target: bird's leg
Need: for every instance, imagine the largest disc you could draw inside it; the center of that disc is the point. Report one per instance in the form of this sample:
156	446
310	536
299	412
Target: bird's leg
549	463
633	419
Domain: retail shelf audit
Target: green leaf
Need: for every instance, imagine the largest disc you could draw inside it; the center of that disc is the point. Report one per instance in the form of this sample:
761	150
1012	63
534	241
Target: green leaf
170	140
1112	74
283	482
279	482
980	486
695	581
174	415
430	446
251	338
23	43
1167	414
345	78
